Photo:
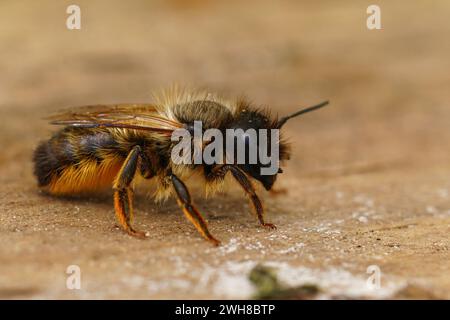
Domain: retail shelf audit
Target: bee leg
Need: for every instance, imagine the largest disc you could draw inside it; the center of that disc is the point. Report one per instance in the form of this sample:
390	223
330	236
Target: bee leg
250	191
191	213
123	193
146	166
130	197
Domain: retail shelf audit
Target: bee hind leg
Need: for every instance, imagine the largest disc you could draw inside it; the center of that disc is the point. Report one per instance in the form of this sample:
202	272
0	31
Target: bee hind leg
191	213
123	193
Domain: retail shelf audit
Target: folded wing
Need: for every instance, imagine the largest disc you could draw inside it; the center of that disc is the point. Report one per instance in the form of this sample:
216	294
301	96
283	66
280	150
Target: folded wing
129	116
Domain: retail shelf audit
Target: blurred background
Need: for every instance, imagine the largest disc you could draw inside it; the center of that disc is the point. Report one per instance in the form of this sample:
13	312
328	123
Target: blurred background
387	87
386	131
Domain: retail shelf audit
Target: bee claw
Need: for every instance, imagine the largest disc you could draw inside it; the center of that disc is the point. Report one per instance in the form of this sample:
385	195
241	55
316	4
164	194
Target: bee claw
269	226
138	234
215	242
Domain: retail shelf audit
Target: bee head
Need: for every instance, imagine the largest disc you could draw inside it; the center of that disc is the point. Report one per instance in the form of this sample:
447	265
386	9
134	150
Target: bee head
262	148
264	142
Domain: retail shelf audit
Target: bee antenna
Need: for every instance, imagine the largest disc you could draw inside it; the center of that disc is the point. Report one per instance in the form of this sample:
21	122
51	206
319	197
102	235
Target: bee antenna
283	120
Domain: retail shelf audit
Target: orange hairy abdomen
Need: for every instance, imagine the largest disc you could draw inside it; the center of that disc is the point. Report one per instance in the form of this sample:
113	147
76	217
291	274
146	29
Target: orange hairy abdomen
86	176
78	160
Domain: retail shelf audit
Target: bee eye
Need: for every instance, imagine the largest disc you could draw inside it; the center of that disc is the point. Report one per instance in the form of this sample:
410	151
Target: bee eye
280	170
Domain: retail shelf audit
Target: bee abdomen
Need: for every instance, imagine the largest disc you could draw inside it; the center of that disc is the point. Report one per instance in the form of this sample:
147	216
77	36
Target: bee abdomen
45	163
76	161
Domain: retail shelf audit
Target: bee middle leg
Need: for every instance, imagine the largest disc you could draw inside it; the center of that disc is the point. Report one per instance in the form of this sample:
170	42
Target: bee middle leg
246	184
191	212
123	193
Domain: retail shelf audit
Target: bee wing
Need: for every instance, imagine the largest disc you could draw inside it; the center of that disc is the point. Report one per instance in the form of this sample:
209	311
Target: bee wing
130	116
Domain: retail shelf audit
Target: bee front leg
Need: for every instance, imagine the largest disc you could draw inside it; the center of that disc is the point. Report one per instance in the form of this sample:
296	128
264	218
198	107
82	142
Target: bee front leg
250	190
191	213
246	184
123	193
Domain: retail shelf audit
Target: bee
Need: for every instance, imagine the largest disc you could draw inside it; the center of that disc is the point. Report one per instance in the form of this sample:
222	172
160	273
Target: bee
106	146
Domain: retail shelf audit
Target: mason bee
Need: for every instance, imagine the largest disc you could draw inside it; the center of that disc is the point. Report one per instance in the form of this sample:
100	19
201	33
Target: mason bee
106	146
